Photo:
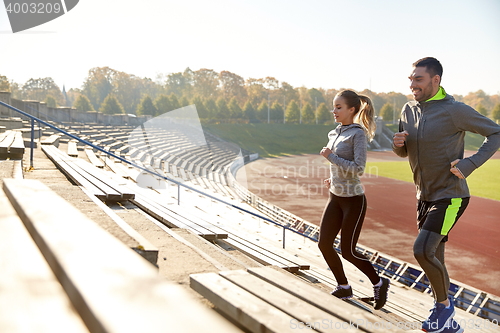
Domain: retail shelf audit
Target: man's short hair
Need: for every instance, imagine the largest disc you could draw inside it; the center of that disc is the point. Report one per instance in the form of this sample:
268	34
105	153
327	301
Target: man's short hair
432	66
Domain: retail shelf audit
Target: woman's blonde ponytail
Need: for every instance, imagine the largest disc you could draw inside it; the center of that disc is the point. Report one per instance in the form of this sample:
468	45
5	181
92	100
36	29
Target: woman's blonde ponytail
366	117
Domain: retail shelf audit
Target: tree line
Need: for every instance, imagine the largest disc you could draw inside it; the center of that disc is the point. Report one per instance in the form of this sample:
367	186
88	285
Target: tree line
219	97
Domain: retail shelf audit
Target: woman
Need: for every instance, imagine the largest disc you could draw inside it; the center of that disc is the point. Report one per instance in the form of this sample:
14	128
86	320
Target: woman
346	207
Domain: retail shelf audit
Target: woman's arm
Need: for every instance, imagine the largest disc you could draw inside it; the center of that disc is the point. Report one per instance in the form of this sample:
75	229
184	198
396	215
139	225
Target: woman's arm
357	166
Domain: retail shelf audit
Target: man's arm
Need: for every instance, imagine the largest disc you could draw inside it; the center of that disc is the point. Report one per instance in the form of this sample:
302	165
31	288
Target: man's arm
467	119
398	141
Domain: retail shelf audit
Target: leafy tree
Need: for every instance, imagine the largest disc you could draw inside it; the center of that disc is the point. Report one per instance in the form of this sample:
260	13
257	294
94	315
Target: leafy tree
110	105
316	95
232	85
495	113
271	83
308	115
211	107
323	114
4	83
72	95
38	89
387	112
395	99
235	109
255	90
205	82
330	96
277	111
289	92
292	112
146	108
174	102
16	90
128	90
163	104
50	101
178	83
478	97
151	88
184	101
249	111
262	111
481	109
200	107
98	85
222	109
83	104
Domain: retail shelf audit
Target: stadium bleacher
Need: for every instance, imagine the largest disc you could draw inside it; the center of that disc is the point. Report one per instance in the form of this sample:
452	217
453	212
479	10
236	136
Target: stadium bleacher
291	291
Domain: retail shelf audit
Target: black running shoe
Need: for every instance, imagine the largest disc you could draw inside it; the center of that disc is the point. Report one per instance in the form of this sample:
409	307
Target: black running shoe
380	294
342	293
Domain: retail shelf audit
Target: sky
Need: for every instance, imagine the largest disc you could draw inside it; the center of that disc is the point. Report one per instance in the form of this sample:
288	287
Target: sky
357	44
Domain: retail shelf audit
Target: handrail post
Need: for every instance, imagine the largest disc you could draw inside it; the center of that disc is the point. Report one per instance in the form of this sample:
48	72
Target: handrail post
284	228
32	141
178	194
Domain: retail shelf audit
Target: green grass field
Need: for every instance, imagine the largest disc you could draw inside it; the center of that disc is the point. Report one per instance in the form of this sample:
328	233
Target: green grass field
483	182
270	140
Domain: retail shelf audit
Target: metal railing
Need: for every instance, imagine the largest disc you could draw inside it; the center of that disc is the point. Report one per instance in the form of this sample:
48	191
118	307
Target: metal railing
179	184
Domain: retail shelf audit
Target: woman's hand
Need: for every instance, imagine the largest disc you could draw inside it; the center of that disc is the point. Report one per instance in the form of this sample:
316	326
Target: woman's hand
328	182
325	152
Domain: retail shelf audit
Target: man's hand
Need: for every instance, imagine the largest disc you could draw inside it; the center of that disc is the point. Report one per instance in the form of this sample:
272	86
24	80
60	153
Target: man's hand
327	182
456	171
400	138
325	152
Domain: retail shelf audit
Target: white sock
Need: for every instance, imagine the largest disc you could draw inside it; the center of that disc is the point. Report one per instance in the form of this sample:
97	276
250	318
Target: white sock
344	287
379	284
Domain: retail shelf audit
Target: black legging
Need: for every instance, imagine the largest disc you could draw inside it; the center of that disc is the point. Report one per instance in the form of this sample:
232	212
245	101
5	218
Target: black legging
346	214
429	252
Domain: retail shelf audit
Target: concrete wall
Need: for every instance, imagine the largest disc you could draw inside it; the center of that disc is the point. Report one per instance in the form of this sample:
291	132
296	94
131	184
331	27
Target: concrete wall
64	114
5	97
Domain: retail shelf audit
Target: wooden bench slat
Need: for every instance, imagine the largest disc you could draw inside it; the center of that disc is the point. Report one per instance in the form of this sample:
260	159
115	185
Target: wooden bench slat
290	304
111	193
69	172
314	296
248	310
51	140
72	150
103	177
12	145
263	257
244	241
275	251
6	141
185	214
171	221
32	300
93	158
83	177
112	287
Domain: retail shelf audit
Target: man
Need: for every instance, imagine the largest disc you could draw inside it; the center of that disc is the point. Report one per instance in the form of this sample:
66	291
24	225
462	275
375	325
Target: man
431	133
